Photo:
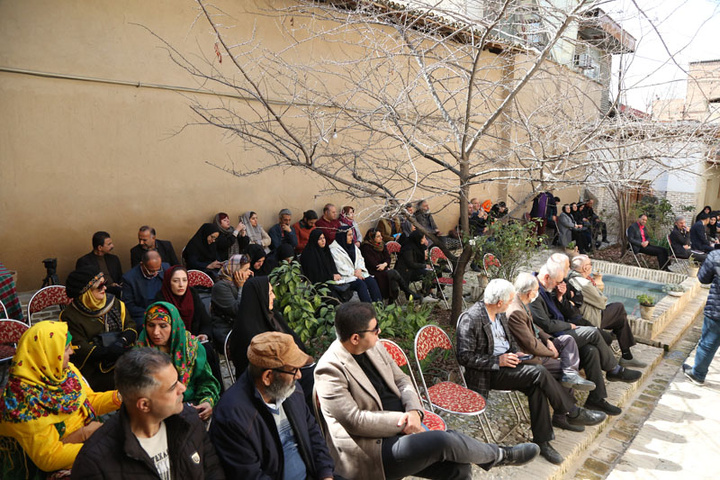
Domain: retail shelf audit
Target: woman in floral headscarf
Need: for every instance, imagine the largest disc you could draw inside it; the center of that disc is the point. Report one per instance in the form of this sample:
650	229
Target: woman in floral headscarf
47	410
165	330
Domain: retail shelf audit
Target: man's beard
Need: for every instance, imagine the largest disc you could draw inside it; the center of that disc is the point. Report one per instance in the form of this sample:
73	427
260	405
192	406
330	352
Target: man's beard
279	390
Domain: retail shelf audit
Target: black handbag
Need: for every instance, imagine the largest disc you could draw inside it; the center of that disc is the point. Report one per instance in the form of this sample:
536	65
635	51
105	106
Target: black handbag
107	339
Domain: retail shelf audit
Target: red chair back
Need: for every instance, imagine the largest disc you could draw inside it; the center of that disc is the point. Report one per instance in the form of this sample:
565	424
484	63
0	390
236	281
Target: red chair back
47	297
393	247
10	333
429	338
198	278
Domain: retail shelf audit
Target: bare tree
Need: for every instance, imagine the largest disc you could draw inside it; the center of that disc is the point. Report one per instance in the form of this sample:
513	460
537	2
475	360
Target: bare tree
394	102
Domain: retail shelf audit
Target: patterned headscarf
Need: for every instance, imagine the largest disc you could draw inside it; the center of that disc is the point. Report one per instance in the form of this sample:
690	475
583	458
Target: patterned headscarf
232	265
183	345
39	389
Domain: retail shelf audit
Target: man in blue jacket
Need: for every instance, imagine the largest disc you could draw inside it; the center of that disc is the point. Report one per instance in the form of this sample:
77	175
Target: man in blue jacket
262	426
710	338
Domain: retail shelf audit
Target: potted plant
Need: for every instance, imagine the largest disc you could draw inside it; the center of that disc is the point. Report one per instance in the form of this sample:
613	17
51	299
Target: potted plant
647	306
571	249
693	266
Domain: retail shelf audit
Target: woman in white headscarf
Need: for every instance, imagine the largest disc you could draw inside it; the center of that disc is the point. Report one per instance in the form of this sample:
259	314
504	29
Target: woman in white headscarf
257	234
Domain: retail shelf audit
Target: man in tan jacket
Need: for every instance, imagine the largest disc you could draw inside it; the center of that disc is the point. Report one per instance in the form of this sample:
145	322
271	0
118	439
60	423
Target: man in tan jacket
597	311
374	415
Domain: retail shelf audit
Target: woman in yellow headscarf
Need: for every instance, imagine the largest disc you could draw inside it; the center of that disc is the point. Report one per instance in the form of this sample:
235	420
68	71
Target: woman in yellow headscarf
47	410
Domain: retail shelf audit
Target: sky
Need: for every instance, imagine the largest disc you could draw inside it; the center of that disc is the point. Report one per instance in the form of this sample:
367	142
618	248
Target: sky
669	34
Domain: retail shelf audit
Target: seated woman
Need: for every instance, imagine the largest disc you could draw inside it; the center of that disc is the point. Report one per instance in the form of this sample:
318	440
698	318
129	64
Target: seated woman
101	328
318	265
165	330
412	260
257	315
377	260
231	240
45	417
201	252
347	217
226	295
255	232
351	266
569	230
261	263
194	315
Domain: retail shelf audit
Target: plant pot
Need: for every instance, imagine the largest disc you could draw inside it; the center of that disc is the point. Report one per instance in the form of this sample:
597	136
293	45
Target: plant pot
482	280
599	281
646	313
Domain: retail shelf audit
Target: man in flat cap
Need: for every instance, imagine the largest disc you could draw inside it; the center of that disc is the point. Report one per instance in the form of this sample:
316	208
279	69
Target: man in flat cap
262	425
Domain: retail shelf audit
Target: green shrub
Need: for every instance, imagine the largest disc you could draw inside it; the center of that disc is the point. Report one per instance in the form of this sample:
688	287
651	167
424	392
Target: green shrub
402	322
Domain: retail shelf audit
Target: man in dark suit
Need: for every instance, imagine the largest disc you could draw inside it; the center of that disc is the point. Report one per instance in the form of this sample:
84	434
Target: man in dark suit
640	242
147	241
102	259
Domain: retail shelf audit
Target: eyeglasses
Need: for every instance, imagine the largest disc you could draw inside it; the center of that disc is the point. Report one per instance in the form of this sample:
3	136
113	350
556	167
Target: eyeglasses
100	285
293	372
375	330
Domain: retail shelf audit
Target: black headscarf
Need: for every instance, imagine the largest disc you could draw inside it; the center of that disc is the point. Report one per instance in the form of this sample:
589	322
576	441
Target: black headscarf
317	263
254	318
341	239
199	248
256	252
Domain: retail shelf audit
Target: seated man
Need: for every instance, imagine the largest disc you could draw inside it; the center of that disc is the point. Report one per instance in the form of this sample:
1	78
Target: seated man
598	312
405	224
640	242
329	222
389	226
680	241
102	259
262	427
147	241
595	354
425	218
155	435
303	228
282	232
492	360
374	414
499	210
698	235
141	284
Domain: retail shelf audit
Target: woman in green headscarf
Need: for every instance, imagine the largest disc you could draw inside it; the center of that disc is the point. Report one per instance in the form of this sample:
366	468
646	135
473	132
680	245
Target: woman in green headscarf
165	330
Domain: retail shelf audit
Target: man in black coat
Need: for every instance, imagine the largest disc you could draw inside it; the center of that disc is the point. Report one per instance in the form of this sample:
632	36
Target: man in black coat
262	426
147	241
101	259
154	435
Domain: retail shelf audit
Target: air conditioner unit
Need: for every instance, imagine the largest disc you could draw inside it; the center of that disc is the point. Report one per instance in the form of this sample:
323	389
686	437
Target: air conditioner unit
583	61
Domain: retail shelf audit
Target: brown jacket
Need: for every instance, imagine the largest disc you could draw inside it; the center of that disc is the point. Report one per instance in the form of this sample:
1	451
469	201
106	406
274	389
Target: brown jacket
530	338
353	411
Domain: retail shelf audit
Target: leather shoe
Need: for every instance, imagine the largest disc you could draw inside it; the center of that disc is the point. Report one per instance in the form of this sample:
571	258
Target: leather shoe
519	454
573	380
633	362
550	454
688	371
624	375
602	406
586	417
561	421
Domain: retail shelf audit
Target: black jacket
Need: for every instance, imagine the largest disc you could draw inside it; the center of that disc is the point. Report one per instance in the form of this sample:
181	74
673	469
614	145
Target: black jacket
678	240
164	248
247	440
698	237
113	451
710	273
112	261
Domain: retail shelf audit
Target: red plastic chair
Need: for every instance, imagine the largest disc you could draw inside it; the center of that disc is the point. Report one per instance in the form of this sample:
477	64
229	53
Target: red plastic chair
10	333
47	297
432	421
198	278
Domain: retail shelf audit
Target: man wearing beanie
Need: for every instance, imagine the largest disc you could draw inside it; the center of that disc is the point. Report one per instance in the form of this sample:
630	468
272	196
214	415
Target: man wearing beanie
262	425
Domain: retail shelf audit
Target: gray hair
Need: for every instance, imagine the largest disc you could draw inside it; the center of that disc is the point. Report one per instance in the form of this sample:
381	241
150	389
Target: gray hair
498	290
285	211
679	218
525	282
560	258
135	370
577	262
553	269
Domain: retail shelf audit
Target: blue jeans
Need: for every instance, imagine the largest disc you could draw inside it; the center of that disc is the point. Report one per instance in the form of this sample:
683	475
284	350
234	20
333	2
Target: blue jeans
708	345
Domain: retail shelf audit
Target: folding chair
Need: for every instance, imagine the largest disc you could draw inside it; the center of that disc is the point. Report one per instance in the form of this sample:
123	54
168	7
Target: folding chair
636	256
319	418
435	256
3	310
393	249
679	261
197	278
447	396
10	333
431	420
228	358
47	297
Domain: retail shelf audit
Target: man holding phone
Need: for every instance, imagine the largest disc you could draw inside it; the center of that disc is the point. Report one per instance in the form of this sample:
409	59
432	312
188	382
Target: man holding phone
490	355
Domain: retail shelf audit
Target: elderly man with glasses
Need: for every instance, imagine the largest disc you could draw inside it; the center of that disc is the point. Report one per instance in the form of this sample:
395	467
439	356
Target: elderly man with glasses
142	283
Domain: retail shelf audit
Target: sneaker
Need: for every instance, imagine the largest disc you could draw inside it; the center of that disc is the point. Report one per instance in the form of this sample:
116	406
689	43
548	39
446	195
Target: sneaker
602	405
586	417
688	371
573	380
550	454
624	375
633	362
519	454
561	421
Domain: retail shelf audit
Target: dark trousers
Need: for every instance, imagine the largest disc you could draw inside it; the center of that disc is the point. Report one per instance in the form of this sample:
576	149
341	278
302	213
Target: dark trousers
540	387
614	318
660	252
596	357
436	454
367	290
